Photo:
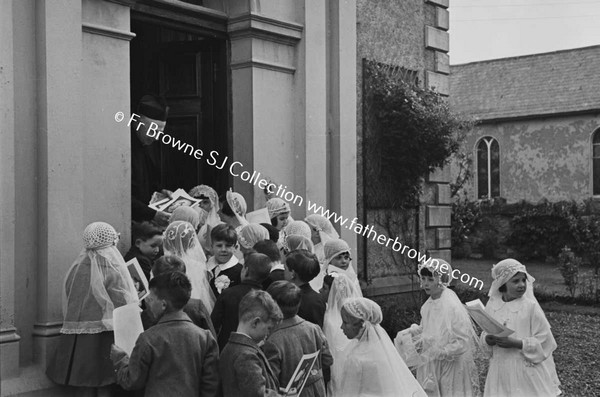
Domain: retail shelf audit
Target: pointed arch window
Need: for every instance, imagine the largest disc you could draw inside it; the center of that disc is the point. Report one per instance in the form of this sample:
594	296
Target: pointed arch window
596	162
488	168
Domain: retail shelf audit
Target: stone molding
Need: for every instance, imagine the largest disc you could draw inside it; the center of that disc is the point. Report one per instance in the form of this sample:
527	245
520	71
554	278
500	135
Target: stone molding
258	26
8	335
47	330
441	3
261	64
106	31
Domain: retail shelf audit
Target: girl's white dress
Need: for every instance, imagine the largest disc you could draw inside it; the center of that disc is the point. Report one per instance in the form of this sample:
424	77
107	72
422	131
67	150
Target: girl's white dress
446	341
527	372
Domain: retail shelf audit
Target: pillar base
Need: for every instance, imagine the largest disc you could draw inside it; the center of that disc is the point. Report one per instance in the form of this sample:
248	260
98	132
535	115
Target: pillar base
45	338
9	353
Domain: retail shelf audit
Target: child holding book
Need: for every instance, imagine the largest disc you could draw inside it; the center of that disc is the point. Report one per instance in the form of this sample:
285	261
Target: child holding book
147	241
244	369
521	364
293	338
446	339
174	357
224	316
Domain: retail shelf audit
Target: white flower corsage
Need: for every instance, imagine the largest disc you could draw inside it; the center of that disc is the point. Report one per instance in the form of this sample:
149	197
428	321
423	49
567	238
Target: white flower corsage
222	282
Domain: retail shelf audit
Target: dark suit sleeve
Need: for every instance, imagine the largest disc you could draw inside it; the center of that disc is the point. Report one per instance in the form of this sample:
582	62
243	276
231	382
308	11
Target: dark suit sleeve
217	314
209	381
274	356
140	211
132	373
247	371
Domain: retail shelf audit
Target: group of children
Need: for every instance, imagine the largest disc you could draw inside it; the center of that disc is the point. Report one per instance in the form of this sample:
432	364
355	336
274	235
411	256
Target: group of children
234	306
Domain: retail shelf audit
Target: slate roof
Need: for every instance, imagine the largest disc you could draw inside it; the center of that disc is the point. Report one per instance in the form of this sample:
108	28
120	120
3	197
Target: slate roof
532	85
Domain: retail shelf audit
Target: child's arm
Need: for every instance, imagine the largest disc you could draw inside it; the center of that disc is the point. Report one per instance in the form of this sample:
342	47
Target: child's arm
247	371
326	356
132	372
274	356
217	314
209	381
540	345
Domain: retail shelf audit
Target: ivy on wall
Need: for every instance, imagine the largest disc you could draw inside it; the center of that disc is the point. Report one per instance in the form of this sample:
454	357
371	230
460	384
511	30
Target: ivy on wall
412	132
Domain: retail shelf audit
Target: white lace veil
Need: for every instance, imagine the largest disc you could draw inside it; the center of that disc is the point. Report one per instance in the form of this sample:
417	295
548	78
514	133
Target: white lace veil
323	227
96	283
277	206
238	205
504	271
298	242
212	218
252	234
372	366
185	213
180	239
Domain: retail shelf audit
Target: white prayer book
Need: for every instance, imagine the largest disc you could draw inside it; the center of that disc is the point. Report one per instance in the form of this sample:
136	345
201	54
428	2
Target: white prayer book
485	321
300	376
127	325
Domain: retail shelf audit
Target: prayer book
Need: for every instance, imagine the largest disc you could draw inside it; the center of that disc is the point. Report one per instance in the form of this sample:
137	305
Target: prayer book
139	278
485	321
127	325
258	216
179	198
300	376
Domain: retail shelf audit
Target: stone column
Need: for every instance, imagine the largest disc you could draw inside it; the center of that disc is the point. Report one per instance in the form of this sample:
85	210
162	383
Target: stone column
9	339
60	160
342	113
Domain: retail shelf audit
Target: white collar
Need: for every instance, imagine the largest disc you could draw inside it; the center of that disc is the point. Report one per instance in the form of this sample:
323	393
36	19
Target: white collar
277	266
212	264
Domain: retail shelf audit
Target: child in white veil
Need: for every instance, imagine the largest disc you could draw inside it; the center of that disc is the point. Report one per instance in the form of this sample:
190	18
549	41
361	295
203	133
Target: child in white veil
446	340
521	364
372	366
339	289
180	239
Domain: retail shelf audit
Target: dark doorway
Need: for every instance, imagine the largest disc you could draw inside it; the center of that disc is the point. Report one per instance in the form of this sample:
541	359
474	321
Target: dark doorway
189	71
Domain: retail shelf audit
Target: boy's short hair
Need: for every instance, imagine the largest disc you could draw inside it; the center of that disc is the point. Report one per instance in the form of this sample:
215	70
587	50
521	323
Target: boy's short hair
269	248
425	272
143	231
273	232
258	303
258	265
168	264
173	287
304	263
328	280
224	232
287	295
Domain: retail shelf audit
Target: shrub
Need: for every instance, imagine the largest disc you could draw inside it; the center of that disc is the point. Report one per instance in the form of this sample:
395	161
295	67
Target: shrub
569	268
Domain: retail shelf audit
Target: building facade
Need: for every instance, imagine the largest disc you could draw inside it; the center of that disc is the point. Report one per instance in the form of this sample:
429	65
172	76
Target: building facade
538	125
272	84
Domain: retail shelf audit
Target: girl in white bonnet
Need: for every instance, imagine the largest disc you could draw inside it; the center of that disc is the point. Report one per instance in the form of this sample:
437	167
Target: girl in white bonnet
521	364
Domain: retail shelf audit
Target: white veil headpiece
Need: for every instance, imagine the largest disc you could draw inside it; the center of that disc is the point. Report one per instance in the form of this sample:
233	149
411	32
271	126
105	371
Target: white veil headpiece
504	271
252	234
96	283
388	374
238	205
342	288
180	239
323	226
211	219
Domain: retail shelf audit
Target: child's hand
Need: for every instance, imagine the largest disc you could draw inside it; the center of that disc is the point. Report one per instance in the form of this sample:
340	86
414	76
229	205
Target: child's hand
116	353
490	340
509	343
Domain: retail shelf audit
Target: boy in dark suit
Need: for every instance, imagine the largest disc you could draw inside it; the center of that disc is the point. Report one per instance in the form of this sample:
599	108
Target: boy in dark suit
174	357
224	317
223	265
244	368
195	309
269	248
293	338
301	267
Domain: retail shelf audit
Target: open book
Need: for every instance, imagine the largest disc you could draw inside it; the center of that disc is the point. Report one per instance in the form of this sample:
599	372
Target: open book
300	376
485	321
160	202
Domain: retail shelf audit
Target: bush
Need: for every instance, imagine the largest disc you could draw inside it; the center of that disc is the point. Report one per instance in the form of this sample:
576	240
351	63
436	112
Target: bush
569	268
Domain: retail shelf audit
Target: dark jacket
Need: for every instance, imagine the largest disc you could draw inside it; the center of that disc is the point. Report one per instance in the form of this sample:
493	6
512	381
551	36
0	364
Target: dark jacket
145	178
244	369
286	345
275	275
312	305
225	313
173	358
235	276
